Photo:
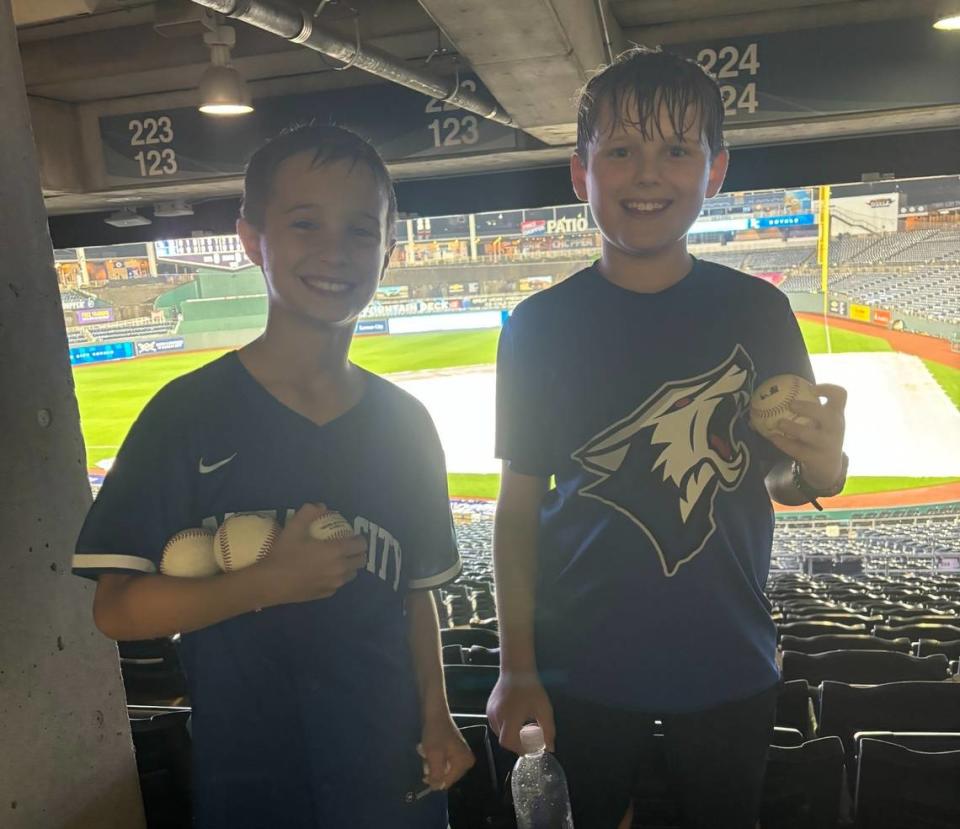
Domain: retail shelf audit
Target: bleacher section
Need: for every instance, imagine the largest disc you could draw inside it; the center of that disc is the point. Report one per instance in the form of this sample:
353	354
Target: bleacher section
765	261
929	292
130	329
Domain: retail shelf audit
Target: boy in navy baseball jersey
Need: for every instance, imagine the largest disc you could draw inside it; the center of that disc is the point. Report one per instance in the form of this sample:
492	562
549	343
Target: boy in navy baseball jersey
632	589
312	712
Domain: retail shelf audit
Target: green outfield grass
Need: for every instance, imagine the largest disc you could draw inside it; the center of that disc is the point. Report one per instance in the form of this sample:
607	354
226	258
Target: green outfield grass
841	340
112	394
487	486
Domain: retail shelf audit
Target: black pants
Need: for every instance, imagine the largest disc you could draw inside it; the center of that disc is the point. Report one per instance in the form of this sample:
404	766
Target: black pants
715	759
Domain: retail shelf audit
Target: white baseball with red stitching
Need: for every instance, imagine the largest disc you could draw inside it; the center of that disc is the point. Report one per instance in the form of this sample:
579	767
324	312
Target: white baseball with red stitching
771	402
244	539
189	554
329	526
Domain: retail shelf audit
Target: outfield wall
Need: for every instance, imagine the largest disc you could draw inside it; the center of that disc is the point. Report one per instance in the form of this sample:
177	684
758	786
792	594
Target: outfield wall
881	317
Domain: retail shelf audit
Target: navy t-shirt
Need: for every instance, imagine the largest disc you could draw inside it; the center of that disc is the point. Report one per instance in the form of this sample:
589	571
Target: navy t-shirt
654	543
304	715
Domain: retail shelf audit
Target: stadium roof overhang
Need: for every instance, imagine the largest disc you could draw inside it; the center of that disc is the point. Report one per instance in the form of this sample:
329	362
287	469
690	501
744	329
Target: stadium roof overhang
97	71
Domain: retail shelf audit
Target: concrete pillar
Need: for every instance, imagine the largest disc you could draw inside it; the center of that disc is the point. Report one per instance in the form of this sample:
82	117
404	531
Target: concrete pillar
66	756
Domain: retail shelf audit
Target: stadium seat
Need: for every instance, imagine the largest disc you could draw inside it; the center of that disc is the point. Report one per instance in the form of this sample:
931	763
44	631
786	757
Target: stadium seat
943	633
950	649
162	746
479	655
469	687
917	740
476	800
803	786
467	636
151	672
794	708
863	667
897	706
818	628
452	655
848	641
786	737
902	788
833	616
929	619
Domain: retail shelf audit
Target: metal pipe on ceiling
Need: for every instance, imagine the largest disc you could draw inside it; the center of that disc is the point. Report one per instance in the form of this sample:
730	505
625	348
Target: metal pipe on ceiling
786	20
299	27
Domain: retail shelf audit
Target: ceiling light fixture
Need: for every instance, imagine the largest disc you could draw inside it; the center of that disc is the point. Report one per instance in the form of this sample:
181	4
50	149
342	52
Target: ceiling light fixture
949	19
223	91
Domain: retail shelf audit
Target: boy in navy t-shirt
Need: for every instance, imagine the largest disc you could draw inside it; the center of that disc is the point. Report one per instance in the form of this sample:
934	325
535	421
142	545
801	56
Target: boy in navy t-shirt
327	708
632	589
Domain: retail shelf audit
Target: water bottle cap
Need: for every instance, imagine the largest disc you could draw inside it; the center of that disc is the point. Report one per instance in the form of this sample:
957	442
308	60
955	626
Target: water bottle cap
531	738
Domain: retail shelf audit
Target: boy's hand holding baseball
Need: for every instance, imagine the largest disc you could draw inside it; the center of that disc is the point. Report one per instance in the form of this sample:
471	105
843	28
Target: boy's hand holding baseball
818	444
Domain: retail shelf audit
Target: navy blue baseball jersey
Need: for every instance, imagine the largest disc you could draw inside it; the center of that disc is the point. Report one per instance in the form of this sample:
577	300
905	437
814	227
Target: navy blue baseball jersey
654	542
304	715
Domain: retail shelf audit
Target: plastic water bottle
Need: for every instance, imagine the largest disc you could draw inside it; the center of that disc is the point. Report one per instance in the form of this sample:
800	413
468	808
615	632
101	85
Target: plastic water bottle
540	797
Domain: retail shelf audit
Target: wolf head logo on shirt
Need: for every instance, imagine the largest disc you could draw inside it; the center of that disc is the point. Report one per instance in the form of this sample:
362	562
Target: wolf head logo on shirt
662	465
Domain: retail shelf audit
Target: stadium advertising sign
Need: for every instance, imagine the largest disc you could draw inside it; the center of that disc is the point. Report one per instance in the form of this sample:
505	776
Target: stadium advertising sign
838	308
371	327
789	220
94	315
83	354
860	313
73	304
182	143
159	346
869	67
533	227
881	316
393	292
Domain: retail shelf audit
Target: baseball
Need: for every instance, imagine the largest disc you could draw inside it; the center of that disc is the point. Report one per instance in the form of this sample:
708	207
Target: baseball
189	555
329	526
244	539
771	402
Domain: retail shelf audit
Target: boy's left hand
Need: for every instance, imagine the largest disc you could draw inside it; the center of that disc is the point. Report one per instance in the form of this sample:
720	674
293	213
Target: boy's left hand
446	755
816	445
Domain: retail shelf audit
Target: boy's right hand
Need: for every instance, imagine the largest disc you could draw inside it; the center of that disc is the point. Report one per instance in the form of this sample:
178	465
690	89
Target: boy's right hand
302	569
517	699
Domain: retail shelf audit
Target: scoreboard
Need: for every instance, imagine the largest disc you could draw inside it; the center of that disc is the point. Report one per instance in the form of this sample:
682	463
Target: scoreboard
183	143
832	71
223	252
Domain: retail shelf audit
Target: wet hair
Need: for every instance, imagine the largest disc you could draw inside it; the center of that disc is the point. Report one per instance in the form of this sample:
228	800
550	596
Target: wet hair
329	144
641	81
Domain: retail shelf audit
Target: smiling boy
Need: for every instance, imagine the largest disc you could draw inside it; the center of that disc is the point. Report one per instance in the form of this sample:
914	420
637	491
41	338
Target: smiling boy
310	713
632	589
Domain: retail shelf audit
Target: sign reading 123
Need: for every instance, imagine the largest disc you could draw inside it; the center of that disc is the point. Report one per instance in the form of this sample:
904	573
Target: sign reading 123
154	132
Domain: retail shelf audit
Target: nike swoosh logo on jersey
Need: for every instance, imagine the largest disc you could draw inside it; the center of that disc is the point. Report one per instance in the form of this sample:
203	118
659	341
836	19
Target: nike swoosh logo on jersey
206	470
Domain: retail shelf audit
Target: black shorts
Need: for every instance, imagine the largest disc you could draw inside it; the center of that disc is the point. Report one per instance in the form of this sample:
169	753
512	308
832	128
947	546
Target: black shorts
715	760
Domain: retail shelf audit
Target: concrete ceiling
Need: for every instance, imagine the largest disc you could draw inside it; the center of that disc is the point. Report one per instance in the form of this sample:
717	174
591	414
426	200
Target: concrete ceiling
84	58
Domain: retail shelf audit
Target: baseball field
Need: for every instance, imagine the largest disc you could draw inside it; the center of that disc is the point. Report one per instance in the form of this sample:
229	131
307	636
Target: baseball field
433	367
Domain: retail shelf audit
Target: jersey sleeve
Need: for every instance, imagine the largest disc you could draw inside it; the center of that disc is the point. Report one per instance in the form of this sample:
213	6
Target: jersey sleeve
521	428
785	350
143	501
431	556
